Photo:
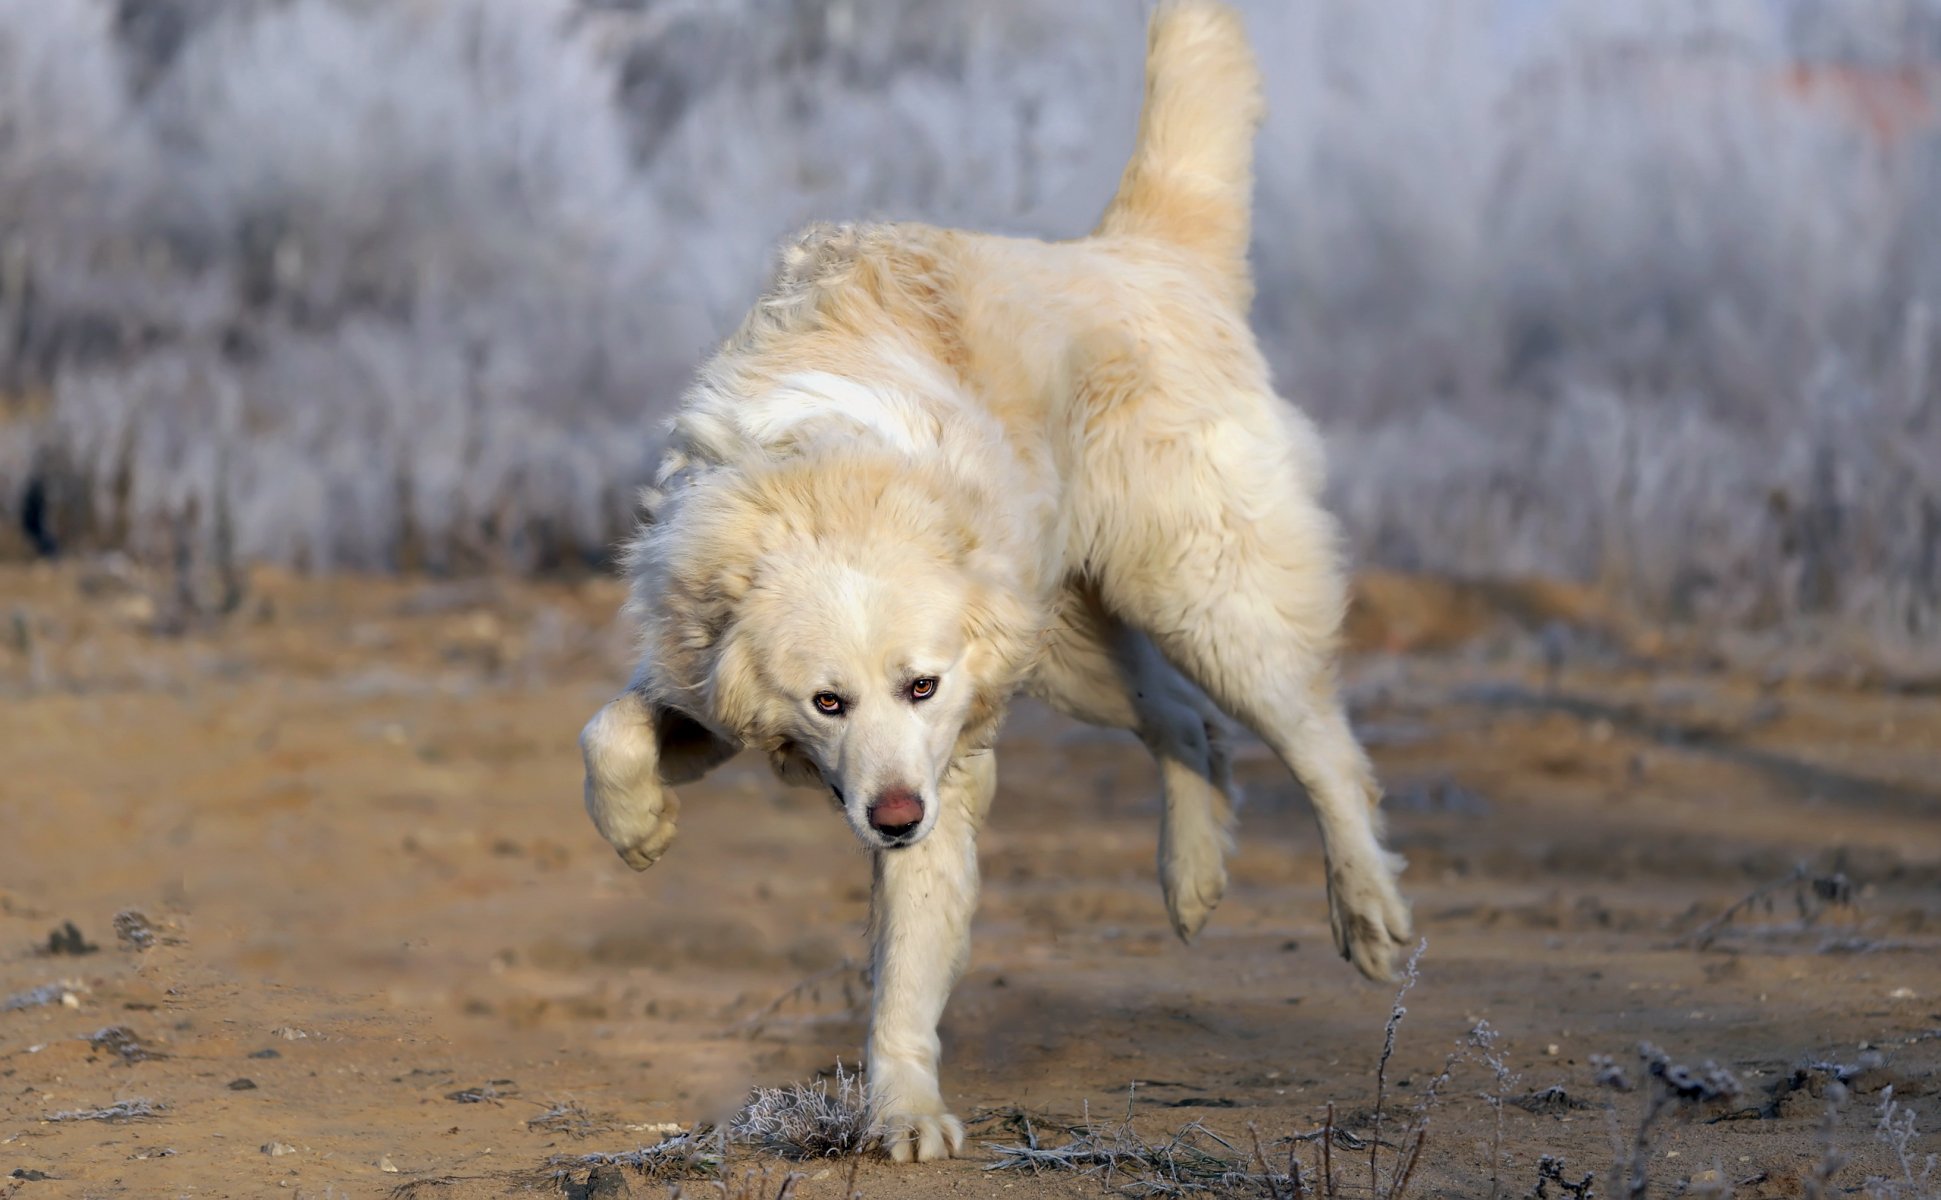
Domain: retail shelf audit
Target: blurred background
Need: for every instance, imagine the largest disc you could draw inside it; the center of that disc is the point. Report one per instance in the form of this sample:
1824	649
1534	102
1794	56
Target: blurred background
1645	296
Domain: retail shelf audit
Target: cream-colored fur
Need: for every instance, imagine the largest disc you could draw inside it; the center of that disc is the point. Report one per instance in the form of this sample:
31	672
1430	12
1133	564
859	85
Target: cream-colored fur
993	463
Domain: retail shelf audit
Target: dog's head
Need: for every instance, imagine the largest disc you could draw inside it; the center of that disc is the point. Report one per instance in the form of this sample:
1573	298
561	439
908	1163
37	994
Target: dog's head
847	618
862	671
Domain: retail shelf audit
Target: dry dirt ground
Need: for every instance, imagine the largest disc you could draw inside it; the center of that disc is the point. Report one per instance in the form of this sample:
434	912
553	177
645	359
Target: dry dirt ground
384	942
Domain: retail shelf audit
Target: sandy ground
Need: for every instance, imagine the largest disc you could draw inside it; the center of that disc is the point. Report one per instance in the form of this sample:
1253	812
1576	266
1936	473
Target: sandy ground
386	942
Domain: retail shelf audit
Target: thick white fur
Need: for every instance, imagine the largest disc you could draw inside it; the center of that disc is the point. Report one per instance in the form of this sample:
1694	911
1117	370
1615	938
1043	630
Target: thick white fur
996	463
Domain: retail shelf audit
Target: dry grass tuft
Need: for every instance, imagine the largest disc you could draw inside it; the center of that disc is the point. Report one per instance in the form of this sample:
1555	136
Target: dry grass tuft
697	1154
120	1110
800	1121
123	1043
1193	1160
806	1120
1670	1088
571	1119
47	993
1895	1128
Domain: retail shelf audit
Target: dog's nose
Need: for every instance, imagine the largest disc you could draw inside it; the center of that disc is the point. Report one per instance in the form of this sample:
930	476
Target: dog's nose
896	813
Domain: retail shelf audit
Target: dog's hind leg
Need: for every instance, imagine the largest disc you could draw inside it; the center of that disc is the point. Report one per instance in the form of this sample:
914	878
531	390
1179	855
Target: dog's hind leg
1288	699
920	916
1223	557
1104	672
1196	832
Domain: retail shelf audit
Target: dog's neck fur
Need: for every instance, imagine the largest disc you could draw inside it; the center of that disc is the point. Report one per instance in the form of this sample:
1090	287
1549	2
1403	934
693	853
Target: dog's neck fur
858	347
856	341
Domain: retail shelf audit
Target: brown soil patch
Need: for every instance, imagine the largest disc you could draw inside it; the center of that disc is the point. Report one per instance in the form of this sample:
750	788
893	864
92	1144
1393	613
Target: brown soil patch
351	816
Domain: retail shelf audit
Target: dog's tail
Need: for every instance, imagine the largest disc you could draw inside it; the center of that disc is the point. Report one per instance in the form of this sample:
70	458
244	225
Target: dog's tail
1190	181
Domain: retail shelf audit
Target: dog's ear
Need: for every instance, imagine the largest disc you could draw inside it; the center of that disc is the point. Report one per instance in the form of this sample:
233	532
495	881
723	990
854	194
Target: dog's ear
633	749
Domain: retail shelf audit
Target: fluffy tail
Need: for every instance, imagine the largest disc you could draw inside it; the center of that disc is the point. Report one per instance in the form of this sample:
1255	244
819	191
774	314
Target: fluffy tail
1190	181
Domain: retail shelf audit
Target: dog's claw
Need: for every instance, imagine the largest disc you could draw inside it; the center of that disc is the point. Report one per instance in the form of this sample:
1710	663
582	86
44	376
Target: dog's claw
1370	919
1191	901
647	851
908	1114
638	835
928	1137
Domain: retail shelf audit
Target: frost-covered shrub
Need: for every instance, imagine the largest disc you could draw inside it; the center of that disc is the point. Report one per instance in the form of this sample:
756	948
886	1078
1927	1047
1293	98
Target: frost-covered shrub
1645	294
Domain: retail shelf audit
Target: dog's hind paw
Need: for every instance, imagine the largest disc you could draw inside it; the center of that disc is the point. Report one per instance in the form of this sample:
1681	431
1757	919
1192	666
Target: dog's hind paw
1195	837
1371	921
1193	890
920	1137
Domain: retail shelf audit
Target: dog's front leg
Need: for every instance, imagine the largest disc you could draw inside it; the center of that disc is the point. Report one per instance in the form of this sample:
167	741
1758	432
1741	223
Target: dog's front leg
920	915
633	749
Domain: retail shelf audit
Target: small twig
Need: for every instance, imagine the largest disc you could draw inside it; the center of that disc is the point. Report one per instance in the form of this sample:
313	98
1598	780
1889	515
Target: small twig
1821	892
1327	1153
1260	1156
1406	1168
1395	1016
753	1024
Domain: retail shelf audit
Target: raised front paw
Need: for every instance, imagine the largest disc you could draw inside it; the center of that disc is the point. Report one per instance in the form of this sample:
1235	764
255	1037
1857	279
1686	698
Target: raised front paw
1371	920
642	838
624	796
920	1136
636	820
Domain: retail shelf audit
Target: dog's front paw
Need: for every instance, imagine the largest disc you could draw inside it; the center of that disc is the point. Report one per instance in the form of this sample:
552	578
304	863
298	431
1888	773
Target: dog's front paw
920	1136
1371	920
637	821
643	837
907	1113
624	796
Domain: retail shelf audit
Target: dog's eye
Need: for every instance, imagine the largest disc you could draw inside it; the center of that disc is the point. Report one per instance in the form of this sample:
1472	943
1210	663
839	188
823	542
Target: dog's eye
923	689
829	704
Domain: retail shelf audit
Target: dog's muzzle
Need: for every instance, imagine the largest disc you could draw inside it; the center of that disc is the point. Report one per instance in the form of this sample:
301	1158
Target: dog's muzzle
896	815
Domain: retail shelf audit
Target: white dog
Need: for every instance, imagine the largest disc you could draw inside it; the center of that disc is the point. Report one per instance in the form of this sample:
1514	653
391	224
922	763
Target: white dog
933	467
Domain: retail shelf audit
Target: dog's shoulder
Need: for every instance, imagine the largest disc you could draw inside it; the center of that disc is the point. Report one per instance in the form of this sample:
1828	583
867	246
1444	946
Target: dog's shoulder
856	279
